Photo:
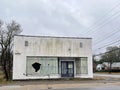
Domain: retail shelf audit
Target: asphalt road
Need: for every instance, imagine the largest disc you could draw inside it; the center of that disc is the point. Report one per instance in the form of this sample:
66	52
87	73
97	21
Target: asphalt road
92	88
111	82
95	88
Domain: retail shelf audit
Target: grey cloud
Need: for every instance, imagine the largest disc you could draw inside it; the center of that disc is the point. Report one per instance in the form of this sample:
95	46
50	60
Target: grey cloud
60	17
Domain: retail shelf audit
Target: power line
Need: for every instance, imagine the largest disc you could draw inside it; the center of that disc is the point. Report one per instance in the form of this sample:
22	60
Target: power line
103	24
107	52
103	17
106	34
105	46
107	37
109	44
116	39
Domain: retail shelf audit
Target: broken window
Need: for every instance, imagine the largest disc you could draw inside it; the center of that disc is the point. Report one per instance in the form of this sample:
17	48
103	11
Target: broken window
36	66
41	66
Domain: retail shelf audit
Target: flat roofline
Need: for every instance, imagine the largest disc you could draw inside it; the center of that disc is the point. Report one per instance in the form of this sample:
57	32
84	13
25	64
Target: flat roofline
54	37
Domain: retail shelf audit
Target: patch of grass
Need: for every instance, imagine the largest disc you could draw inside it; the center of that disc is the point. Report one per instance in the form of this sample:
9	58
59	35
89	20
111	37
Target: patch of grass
2	79
1	75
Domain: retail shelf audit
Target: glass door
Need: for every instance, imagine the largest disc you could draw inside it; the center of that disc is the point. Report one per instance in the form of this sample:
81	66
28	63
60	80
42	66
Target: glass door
67	68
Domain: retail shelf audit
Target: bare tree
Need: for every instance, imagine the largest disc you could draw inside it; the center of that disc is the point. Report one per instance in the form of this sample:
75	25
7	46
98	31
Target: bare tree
7	33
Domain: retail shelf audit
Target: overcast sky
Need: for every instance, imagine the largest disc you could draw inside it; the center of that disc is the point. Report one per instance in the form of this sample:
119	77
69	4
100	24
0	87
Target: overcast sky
98	19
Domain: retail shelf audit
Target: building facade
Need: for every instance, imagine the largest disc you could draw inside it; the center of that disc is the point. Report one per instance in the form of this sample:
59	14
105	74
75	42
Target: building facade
45	57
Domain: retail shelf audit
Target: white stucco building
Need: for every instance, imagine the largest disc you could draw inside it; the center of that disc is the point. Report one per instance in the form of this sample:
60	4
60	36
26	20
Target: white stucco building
44	57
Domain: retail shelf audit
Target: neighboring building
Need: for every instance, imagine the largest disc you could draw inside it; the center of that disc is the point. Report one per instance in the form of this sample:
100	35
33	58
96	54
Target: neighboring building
44	57
115	65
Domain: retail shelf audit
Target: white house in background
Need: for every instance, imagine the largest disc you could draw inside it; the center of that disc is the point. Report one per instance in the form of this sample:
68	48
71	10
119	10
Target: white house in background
115	65
45	57
100	67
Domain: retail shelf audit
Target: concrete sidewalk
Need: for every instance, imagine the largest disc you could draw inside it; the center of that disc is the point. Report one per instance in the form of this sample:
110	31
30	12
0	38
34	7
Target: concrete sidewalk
107	75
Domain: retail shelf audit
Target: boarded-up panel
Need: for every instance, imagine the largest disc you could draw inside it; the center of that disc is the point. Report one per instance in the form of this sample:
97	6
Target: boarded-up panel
84	66
77	61
29	69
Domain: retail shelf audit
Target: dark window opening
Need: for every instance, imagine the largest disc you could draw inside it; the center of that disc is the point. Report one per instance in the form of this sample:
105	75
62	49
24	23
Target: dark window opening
26	43
36	66
81	44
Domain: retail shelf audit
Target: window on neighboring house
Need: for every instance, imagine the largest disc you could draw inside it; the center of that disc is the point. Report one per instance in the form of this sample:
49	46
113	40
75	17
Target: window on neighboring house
81	44
26	43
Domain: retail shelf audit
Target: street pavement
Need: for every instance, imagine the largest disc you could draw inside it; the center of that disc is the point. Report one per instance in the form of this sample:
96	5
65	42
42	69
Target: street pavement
64	87
94	88
111	82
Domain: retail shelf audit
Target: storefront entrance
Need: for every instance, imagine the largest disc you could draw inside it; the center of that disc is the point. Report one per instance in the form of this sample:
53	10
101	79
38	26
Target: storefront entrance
67	68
